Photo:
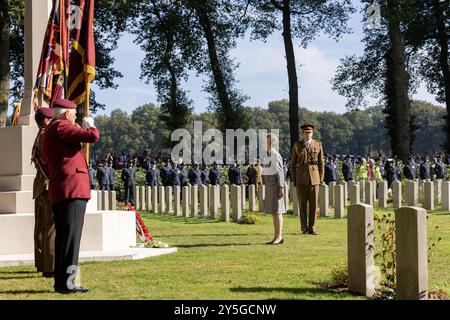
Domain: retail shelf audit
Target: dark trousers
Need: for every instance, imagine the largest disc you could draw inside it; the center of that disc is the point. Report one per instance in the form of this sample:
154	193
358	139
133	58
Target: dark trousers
308	196
129	194
69	219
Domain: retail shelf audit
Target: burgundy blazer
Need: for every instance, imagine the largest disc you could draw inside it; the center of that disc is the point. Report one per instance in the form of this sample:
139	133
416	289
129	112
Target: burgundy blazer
67	167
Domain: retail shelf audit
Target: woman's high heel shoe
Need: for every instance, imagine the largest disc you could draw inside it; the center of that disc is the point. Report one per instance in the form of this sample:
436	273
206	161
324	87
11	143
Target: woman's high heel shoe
279	242
270	242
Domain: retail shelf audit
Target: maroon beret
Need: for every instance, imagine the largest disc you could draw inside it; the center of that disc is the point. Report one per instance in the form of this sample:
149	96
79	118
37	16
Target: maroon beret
64	103
307	127
46	112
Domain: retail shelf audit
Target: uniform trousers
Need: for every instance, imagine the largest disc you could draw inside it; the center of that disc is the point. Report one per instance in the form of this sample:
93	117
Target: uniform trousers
69	220
44	234
307	195
129	194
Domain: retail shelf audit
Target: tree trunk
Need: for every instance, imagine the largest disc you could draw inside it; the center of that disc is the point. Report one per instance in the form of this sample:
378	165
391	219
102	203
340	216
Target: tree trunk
397	100
226	109
292	74
441	37
4	60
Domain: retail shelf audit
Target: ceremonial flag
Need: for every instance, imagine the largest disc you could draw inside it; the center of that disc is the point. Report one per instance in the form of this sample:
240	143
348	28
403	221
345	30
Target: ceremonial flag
82	55
54	57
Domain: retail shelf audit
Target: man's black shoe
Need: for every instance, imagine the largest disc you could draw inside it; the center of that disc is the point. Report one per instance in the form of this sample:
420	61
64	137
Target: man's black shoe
74	290
48	274
313	233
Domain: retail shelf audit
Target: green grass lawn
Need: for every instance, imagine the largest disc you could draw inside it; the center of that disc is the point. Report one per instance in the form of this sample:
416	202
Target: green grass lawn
223	260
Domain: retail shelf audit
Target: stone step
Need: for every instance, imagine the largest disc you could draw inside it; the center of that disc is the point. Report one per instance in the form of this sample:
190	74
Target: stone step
89	256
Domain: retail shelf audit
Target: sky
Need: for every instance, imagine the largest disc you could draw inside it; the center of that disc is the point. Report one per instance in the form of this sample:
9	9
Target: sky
261	75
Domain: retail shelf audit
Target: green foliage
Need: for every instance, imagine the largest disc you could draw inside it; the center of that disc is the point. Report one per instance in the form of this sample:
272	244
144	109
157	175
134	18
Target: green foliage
339	275
385	255
250	219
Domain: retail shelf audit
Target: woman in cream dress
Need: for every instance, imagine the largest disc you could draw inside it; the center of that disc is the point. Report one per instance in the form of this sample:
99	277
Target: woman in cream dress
273	180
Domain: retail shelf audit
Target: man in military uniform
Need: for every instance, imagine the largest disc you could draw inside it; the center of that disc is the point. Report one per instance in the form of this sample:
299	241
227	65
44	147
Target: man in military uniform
44	228
214	174
330	171
235	174
111	173
152	175
425	169
251	174
347	169
91	176
183	175
174	175
129	181
195	175
308	174
409	170
439	168
102	176
205	174
68	188
165	173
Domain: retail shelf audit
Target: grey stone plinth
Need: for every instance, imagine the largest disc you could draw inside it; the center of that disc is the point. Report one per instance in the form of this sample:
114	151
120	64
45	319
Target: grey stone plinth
225	203
214	201
331	186
323	200
396	194
148	201
203	191
446	195
412	193
194	201
177	201
411	253
155	205
368	193
236	206
143	198
261	196
252	198
360	244
355	195
185	206
382	194
169	199
162	199
339	208
429	195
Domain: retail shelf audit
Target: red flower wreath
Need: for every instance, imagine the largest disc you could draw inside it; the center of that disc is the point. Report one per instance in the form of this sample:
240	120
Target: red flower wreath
141	229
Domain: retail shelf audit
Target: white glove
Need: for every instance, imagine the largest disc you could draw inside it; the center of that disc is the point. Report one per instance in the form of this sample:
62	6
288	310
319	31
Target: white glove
89	122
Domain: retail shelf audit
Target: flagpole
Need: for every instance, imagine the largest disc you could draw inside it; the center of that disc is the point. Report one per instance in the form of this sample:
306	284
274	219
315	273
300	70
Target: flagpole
86	111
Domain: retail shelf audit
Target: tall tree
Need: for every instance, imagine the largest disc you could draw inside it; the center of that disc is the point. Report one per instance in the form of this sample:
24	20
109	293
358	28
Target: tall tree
384	72
398	107
220	26
160	30
302	20
4	60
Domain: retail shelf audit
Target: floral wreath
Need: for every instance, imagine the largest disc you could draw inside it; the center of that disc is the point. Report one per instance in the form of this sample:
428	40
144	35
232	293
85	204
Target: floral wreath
142	231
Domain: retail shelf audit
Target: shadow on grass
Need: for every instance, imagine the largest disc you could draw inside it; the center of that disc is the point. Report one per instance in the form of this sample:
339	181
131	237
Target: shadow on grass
18	278
280	289
218	235
26	291
172	218
17	272
215	245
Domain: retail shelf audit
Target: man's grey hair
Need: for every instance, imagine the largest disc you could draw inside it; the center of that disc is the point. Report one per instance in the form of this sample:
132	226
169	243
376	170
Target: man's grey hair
273	138
58	113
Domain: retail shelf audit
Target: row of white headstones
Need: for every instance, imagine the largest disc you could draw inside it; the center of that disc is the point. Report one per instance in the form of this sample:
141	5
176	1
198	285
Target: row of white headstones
205	201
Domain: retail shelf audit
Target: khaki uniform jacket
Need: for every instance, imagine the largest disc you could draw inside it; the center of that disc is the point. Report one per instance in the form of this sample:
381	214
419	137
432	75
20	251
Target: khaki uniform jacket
39	184
302	172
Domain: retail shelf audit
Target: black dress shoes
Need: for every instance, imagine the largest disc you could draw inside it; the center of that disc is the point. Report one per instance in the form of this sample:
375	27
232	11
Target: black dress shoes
74	290
313	233
48	274
279	242
270	242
